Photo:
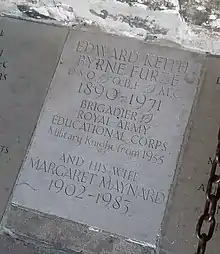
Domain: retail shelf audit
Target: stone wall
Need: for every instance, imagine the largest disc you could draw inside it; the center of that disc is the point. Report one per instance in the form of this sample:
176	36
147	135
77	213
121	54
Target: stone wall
193	24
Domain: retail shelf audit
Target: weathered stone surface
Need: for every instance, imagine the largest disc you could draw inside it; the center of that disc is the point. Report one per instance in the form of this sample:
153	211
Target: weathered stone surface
9	245
201	13
68	235
29	53
189	23
189	196
105	150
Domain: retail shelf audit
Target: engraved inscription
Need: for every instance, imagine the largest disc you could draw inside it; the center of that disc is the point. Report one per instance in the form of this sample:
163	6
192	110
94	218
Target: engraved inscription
3	76
3	62
3	149
104	177
109	137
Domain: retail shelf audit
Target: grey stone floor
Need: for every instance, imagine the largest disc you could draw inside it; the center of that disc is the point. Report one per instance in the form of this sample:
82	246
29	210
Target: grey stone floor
27	49
10	245
29	54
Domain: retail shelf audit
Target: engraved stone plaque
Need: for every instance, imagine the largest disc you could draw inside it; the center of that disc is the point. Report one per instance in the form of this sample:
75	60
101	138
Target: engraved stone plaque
28	57
190	194
105	150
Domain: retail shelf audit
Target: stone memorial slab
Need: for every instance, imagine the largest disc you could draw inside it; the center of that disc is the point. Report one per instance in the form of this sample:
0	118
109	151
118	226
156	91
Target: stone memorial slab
189	195
28	57
105	149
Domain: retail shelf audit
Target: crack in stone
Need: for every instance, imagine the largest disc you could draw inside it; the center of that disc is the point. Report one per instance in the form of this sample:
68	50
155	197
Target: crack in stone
27	184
